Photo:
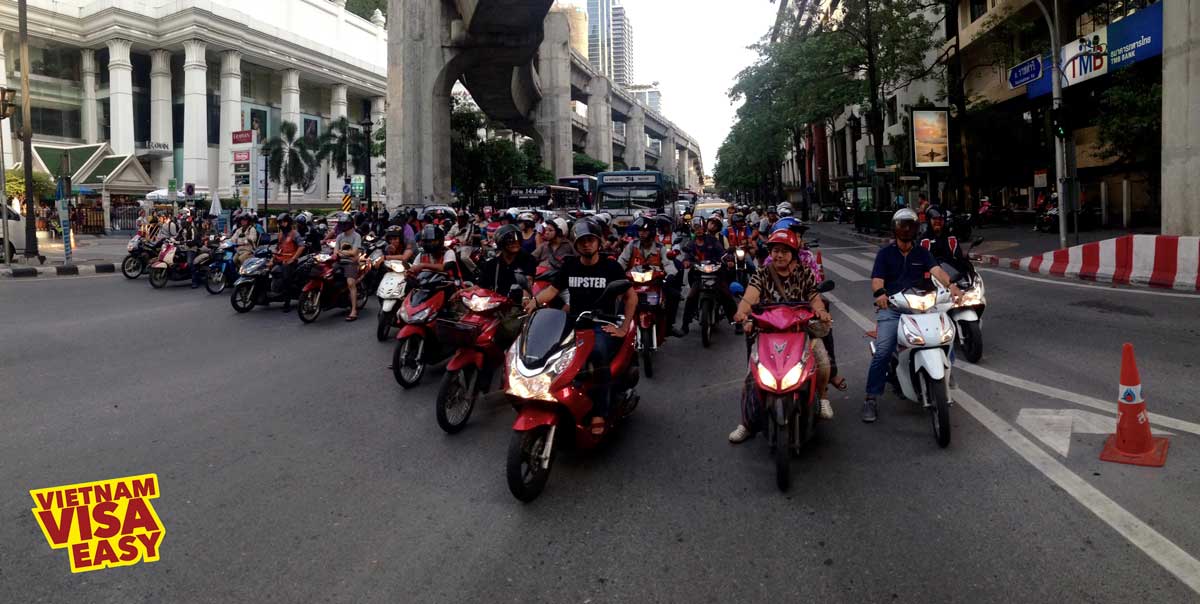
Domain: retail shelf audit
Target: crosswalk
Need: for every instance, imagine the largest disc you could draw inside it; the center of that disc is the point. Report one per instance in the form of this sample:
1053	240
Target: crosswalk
849	266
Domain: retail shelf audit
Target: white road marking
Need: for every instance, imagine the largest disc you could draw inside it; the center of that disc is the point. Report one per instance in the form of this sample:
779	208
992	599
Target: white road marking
1122	290
1071	397
844	272
1160	549
1055	426
856	261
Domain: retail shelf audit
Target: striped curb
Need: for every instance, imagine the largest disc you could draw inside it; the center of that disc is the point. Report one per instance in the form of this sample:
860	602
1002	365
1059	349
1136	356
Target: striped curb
19	272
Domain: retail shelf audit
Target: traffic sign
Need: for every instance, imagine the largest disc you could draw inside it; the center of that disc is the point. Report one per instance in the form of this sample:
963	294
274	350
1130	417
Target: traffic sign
345	189
358	185
189	189
1025	72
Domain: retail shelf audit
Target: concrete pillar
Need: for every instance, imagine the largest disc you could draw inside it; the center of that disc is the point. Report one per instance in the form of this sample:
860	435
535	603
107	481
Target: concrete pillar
600	124
1181	118
553	116
635	138
681	170
290	99
88	108
422	68
378	118
338	104
666	157
1127	203
1103	202
161	115
6	125
195	114
231	117
120	97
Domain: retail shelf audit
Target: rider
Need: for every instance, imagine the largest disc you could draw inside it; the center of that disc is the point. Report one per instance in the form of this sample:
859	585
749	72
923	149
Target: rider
898	267
646	250
190	241
557	248
586	276
347	245
944	247
396	248
499	273
784	280
435	256
709	246
741	236
245	237
283	263
528	233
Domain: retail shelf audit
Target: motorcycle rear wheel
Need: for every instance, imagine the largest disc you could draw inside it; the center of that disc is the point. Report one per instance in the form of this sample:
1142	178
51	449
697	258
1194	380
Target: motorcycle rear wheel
384	329
972	340
939	410
408	374
215	281
243	298
456	399
309	306
132	267
158	278
526	476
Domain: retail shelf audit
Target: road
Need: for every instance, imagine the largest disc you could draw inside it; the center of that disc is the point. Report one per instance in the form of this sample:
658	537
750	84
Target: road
294	469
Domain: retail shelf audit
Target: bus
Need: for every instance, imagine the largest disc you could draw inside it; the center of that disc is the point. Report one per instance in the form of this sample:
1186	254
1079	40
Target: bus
625	193
544	197
585	184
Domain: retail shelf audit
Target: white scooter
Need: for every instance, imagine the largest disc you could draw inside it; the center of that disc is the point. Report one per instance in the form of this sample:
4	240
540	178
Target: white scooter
967	313
921	363
391	291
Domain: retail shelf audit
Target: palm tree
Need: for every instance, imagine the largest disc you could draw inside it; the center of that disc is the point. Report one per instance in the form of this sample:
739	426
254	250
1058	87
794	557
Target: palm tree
344	148
290	160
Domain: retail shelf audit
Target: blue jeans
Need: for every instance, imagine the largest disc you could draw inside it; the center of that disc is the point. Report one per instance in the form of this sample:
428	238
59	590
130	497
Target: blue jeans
887	321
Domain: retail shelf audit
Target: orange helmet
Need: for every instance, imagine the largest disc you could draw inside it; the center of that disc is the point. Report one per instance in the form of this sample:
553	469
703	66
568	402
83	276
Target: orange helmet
784	237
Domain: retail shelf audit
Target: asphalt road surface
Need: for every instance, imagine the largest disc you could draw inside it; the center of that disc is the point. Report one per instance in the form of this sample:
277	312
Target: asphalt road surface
294	469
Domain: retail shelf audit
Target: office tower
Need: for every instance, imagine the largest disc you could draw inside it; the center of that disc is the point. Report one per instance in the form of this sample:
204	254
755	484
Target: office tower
622	47
600	14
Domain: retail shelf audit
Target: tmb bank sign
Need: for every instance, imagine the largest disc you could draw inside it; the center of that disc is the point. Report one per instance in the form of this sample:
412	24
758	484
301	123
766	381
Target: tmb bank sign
1135	38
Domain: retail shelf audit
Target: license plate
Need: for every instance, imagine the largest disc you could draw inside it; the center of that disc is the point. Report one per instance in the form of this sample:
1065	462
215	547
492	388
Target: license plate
652	299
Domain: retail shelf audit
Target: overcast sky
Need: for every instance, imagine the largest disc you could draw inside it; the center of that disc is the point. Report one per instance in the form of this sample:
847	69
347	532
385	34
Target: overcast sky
693	49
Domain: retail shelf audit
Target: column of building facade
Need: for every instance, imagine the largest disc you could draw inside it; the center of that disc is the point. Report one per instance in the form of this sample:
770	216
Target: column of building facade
161	114
1180	167
5	125
120	97
338	108
681	169
87	109
378	115
231	116
195	113
290	99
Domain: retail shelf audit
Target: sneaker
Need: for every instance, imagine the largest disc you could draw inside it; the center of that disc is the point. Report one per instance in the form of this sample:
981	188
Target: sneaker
739	434
826	409
869	411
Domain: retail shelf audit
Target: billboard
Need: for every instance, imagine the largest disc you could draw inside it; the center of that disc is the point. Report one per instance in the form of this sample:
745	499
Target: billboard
1134	38
931	138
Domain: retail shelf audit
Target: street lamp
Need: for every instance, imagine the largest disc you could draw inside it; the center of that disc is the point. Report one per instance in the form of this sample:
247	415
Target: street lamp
855	123
366	126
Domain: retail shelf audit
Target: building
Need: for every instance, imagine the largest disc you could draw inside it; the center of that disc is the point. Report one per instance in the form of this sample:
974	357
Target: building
577	22
648	95
622	45
600	45
157	89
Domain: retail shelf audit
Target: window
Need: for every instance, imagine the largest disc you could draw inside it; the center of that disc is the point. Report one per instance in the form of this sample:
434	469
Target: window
978	8
891	111
1106	12
50	121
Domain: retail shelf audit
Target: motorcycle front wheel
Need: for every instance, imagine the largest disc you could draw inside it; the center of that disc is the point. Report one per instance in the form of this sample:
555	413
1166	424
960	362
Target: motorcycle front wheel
132	267
971	343
243	297
456	399
706	321
158	278
215	281
526	476
407	367
939	410
647	352
309	306
783	446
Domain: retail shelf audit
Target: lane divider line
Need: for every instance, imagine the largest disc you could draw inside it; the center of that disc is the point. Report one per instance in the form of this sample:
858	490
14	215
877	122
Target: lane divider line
1121	290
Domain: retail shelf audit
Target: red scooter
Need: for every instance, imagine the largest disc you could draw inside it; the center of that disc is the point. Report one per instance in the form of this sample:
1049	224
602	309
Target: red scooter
785	376
546	377
417	344
479	350
327	288
651	320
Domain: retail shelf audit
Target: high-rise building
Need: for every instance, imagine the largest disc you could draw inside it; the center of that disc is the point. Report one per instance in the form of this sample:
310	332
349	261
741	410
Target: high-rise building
622	47
600	46
648	95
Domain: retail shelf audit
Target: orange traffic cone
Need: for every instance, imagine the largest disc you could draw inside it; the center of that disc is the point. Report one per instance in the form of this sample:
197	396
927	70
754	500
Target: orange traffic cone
1133	443
820	262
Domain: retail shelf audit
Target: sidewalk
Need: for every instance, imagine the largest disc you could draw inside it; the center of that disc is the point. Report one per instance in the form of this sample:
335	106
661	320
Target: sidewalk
89	254
1021	241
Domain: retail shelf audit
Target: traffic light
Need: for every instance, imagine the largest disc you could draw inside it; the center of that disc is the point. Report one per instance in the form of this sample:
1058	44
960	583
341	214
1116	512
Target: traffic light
1058	122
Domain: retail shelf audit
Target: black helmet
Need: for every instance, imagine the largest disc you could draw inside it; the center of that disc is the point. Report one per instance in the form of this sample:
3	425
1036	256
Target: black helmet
738	217
507	234
586	228
343	218
393	231
933	214
641	224
280	219
302	218
432	232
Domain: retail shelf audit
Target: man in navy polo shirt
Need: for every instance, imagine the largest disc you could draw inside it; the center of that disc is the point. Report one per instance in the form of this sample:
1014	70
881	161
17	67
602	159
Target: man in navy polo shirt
898	267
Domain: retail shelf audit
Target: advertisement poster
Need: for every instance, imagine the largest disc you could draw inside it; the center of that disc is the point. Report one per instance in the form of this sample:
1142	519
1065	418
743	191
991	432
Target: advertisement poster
258	123
1134	38
310	128
931	138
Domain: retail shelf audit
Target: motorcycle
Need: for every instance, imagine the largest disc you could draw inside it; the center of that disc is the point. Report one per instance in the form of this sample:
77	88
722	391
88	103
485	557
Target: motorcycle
477	341
651	321
546	378
417	344
170	266
708	299
741	267
141	253
222	270
256	283
326	287
390	291
921	363
1047	222
785	376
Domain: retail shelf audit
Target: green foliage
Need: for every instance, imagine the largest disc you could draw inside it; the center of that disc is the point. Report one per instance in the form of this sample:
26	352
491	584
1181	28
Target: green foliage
491	167
14	184
586	164
1130	119
291	160
365	8
343	147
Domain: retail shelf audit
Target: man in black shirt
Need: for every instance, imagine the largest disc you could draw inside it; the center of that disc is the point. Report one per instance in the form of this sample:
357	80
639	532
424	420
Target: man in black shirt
586	276
499	273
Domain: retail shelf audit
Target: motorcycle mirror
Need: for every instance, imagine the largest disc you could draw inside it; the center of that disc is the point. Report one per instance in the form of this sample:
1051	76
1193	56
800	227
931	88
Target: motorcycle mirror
826	286
616	288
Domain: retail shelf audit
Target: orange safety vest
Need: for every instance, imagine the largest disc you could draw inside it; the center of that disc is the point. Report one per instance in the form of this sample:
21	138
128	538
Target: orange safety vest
639	259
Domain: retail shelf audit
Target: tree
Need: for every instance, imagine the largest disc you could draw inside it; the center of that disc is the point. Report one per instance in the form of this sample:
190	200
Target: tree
343	147
379	145
366	8
290	160
586	164
503	165
535	172
14	184
1129	123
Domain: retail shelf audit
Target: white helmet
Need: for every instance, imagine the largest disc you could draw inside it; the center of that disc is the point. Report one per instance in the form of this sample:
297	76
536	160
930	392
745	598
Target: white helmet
561	225
904	214
604	218
526	217
784	209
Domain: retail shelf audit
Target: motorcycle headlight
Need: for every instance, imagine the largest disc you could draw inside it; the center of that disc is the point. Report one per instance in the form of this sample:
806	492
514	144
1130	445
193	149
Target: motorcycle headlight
481	303
642	276
792	376
973	296
947	329
537	386
324	257
417	317
395	266
764	376
708	268
133	245
920	303
741	254
912	333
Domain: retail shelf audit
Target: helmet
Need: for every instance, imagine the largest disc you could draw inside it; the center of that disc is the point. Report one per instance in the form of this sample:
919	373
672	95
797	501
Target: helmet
432	232
784	237
584	229
393	231
244	215
507	234
282	217
784	209
772	210
738	217
933	214
302	218
665	224
185	213
603	218
697	223
526	217
904	224
716	219
687	217
561	225
641	223
344	219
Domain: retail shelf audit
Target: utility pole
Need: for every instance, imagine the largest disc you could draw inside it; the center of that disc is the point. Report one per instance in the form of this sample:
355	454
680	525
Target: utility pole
31	246
366	126
1060	148
6	111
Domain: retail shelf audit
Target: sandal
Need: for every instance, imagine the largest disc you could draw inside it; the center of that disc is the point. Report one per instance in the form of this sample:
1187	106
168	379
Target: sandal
351	318
839	382
597	426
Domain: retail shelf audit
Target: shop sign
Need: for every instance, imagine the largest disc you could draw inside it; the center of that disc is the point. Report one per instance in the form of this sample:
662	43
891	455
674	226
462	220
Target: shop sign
1134	38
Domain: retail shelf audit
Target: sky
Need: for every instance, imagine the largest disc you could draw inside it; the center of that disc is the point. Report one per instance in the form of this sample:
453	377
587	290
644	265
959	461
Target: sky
694	49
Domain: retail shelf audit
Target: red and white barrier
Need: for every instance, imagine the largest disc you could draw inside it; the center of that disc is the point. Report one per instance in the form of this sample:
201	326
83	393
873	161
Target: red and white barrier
1156	260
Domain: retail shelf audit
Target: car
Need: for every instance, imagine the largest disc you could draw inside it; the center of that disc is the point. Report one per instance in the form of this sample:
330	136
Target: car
708	208
16	232
444	215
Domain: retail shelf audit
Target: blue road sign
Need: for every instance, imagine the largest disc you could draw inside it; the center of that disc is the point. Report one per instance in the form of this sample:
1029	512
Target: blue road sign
1025	72
345	189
